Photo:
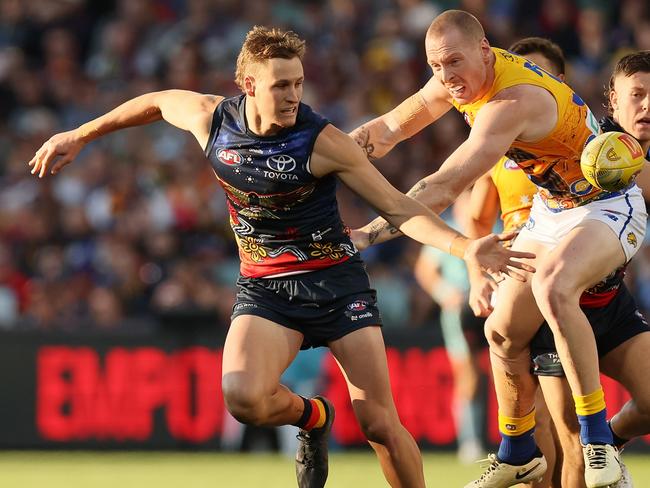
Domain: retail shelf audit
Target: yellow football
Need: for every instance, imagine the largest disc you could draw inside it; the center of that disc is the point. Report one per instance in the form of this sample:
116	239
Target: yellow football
612	160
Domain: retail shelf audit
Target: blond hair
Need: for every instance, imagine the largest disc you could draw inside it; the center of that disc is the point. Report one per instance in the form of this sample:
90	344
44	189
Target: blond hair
462	21
264	43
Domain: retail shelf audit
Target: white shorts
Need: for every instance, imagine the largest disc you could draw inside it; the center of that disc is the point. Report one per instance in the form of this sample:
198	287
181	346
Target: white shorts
625	214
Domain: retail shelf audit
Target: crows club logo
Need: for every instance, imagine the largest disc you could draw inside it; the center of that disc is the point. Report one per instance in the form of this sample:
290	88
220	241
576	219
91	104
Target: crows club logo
229	157
281	163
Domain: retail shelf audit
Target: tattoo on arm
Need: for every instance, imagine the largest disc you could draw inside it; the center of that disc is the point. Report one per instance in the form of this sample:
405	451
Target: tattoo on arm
375	229
378	227
362	138
417	189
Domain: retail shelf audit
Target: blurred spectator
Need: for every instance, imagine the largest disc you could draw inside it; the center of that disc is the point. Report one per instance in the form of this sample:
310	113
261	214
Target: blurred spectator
138	227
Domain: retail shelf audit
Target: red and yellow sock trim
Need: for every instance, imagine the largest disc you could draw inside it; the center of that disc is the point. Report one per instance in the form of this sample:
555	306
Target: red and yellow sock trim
513	426
318	415
590	404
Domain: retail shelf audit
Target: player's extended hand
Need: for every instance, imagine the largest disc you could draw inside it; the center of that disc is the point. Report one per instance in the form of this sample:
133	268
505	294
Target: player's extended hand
488	254
57	152
482	287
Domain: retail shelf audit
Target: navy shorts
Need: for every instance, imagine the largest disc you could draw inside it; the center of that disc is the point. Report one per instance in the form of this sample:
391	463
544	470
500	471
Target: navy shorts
613	324
323	305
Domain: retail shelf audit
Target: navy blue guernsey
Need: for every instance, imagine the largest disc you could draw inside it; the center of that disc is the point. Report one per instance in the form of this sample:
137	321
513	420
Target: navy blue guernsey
284	219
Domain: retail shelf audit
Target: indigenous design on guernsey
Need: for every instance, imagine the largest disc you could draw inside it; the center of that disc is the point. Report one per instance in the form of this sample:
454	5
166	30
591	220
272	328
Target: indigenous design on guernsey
284	219
552	163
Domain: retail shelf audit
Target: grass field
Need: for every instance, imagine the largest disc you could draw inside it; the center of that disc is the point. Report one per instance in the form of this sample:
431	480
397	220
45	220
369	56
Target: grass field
212	470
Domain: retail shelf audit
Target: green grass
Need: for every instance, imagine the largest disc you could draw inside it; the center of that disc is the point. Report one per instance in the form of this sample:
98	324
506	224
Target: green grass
216	470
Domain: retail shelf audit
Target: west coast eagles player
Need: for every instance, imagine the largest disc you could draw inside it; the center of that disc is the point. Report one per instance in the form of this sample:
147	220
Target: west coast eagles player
518	109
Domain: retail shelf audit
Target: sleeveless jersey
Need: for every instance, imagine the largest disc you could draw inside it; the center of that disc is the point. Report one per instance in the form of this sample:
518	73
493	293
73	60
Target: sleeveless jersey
515	191
284	219
553	163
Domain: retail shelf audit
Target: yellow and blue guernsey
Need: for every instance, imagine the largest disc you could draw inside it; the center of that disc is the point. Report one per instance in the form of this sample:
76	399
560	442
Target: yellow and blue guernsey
515	192
552	163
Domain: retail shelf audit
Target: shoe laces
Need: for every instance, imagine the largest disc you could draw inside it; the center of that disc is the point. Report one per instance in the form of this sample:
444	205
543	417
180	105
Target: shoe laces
491	463
596	456
307	458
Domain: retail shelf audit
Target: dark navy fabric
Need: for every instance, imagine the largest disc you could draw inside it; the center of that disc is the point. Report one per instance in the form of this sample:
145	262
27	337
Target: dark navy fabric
285	220
613	324
323	305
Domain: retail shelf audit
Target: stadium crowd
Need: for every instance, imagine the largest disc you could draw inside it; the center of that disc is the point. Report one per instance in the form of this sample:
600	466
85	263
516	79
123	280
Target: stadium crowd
138	228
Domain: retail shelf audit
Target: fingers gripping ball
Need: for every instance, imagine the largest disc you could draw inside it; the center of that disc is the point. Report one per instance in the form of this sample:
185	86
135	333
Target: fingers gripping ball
612	160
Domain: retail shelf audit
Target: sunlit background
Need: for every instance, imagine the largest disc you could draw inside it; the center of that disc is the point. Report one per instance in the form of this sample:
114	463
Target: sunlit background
117	276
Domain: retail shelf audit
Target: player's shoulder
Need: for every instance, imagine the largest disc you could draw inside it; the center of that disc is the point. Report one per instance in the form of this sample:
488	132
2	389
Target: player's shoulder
522	92
522	102
331	142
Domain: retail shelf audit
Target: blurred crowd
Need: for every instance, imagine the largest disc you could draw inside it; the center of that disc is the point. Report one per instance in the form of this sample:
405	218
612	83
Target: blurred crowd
137	228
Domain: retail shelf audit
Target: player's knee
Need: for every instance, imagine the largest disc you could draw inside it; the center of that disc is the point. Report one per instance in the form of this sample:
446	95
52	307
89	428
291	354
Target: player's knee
503	345
379	429
244	402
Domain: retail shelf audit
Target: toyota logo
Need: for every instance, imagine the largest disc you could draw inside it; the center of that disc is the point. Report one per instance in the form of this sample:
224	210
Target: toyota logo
281	163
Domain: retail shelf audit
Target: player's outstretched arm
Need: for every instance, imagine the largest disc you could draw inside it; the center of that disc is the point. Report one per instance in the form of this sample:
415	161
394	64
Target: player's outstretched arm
496	126
184	109
334	152
380	135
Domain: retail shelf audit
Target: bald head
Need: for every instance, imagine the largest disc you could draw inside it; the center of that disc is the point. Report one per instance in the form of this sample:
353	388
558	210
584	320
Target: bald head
463	22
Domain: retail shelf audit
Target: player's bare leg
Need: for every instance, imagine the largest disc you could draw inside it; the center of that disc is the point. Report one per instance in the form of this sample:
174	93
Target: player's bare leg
562	410
624	364
546	438
585	256
362	358
255	354
509	329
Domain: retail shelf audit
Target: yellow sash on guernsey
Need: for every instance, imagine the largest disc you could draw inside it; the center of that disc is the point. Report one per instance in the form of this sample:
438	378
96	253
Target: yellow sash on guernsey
553	162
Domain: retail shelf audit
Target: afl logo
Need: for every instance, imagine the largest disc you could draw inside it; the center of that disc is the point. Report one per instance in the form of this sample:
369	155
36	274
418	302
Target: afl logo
281	163
229	157
357	306
581	187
